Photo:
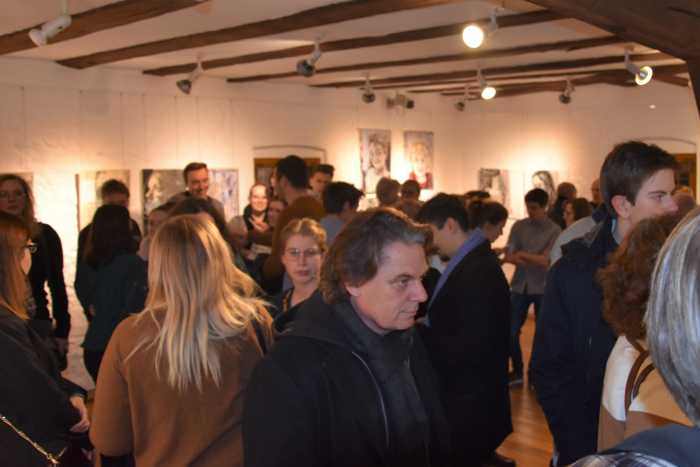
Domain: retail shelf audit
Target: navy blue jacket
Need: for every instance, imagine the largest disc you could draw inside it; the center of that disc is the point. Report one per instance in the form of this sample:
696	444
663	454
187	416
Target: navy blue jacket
572	344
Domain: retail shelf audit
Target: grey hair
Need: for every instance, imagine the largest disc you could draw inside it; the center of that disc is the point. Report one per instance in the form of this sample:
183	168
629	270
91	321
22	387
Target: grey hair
673	315
358	250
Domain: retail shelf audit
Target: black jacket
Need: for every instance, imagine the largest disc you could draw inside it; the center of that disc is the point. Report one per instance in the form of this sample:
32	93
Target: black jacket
572	344
468	341
33	396
313	401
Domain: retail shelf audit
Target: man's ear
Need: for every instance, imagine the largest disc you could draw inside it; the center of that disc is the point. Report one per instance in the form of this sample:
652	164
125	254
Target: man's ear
354	291
622	206
451	225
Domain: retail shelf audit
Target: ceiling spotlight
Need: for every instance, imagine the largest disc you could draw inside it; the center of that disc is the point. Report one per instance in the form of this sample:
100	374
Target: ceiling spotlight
473	35
487	92
185	85
49	29
400	100
642	75
307	67
565	97
368	95
461	104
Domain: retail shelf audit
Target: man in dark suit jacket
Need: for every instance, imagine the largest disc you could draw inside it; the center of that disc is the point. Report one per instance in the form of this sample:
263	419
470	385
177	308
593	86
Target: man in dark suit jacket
466	333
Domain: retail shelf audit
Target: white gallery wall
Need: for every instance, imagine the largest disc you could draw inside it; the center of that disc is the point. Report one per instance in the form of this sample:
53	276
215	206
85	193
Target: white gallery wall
56	122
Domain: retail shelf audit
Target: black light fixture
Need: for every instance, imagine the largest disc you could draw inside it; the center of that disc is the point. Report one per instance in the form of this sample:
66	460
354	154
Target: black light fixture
461	104
473	35
307	67
642	75
565	97
185	85
368	95
400	100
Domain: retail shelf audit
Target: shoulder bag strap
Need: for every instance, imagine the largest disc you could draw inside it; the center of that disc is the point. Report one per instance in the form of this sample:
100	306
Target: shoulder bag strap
52	460
632	386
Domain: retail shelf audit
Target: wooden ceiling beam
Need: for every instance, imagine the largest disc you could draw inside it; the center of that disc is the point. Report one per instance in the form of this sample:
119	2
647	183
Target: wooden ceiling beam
98	19
314	17
670	26
694	69
615	76
470	54
531	67
400	37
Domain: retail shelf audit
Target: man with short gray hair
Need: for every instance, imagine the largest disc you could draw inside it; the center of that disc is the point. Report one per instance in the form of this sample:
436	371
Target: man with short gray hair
350	384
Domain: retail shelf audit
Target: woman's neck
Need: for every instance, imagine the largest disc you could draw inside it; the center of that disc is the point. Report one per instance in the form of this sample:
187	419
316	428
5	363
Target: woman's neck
303	291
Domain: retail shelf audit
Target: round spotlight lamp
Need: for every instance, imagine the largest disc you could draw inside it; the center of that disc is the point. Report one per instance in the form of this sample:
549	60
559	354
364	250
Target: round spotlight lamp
489	92
473	36
644	75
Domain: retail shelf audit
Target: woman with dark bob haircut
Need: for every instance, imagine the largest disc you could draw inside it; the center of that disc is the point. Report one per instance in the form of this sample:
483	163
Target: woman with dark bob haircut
625	283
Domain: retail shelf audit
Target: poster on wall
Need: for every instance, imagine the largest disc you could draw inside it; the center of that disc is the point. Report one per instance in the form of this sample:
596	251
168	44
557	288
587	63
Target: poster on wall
158	186
504	186
223	185
375	157
88	186
544	179
266	157
418	152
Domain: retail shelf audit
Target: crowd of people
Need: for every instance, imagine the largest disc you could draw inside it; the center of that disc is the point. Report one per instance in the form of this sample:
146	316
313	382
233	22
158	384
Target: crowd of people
306	332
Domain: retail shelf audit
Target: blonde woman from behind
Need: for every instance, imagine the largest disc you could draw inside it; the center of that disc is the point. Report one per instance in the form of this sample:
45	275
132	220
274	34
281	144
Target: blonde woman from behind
172	382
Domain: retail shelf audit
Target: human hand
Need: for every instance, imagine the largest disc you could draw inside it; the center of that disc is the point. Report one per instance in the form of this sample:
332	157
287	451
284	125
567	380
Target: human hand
260	226
84	424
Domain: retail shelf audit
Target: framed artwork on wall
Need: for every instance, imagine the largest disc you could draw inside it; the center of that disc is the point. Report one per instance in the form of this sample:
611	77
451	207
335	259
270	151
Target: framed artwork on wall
223	185
158	186
418	152
265	158
506	187
375	157
88	185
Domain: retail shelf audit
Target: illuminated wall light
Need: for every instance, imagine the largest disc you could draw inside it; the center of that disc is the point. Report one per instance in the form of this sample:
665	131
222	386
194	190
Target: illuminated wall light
473	35
642	75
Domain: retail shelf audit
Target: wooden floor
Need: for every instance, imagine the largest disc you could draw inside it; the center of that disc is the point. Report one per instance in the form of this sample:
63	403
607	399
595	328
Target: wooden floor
530	444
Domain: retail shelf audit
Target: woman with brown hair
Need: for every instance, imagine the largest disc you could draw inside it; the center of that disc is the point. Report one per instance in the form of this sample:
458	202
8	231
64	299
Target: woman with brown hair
303	247
35	401
16	198
628	406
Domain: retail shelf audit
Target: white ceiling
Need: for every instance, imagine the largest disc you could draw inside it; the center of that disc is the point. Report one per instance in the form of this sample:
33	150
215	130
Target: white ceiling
218	14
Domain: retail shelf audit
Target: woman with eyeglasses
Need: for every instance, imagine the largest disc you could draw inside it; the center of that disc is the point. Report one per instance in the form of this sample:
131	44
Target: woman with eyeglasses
34	399
304	244
47	266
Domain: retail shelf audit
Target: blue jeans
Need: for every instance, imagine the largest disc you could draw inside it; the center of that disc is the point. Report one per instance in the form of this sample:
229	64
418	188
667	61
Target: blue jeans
519	304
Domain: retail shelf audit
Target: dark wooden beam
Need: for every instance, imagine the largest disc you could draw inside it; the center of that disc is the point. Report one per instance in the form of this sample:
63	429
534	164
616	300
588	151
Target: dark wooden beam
673	79
466	55
435	32
611	76
694	70
531	67
98	19
320	16
670	26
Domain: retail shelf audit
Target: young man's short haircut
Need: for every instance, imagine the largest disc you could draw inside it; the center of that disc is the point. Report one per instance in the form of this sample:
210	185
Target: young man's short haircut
537	195
294	169
337	194
387	191
441	207
323	168
628	166
113	186
191	167
410	189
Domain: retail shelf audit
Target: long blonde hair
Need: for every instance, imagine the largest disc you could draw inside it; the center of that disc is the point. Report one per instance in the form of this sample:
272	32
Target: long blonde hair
13	284
200	295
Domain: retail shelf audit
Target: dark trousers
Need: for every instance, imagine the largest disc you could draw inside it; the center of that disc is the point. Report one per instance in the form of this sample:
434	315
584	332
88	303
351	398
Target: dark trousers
92	360
519	304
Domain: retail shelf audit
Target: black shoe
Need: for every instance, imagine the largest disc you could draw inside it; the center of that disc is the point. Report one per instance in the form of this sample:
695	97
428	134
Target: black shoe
515	379
497	460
